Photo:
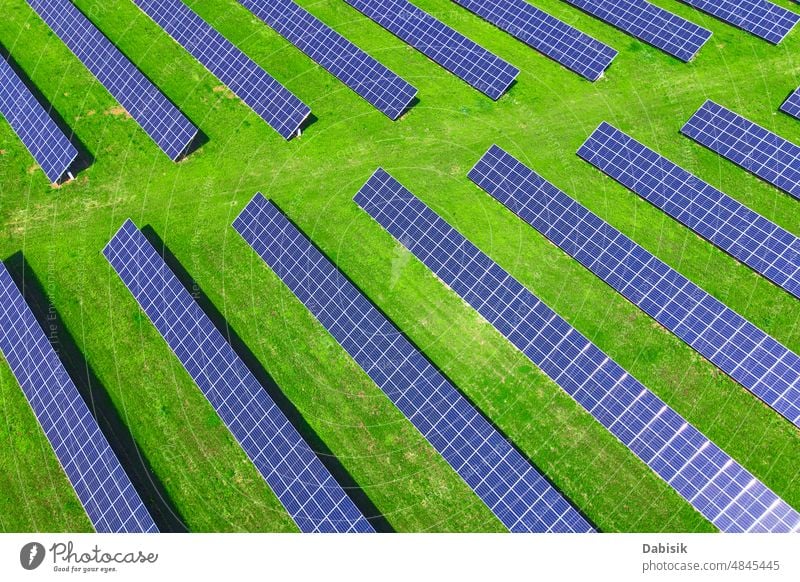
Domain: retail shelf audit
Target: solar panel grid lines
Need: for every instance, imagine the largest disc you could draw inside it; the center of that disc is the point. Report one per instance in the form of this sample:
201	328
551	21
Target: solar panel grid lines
99	481
33	125
792	104
717	486
744	234
368	78
511	487
162	121
758	150
554	38
754	359
275	104
763	19
463	57
304	486
649	23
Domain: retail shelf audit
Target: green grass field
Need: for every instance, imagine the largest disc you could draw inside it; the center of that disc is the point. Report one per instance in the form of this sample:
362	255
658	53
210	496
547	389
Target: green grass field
208	480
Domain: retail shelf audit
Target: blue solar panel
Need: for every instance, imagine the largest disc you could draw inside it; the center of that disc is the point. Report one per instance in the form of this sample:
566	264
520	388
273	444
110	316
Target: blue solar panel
746	235
386	91
485	71
737	347
792	104
146	104
765	154
301	482
716	485
763	19
275	104
656	26
103	488
512	488
558	40
44	139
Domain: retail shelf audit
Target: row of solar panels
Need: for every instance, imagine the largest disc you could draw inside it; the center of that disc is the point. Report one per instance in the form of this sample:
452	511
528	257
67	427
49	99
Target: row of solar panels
510	485
389	93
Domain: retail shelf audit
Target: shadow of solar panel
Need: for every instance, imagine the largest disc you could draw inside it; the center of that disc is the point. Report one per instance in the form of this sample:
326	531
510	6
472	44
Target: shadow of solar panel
718	487
310	494
162	121
792	104
763	19
45	141
749	237
558	40
737	347
275	104
757	150
662	29
511	487
101	484
379	86
469	61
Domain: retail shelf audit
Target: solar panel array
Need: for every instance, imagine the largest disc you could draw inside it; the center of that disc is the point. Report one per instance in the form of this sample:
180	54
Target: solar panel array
103	488
758	150
737	347
385	90
512	488
301	482
716	485
45	141
763	19
792	104
162	121
275	104
466	59
656	26
554	38
746	235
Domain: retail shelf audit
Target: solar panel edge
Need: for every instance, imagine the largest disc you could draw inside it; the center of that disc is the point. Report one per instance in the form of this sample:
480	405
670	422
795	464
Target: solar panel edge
791	106
742	26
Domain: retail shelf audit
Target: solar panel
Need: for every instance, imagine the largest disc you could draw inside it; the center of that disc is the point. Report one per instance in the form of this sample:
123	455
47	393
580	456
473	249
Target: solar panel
379	86
558	40
469	61
746	235
716	485
765	154
511	487
792	104
737	347
162	121
763	19
275	104
310	494
662	29
103	488
45	141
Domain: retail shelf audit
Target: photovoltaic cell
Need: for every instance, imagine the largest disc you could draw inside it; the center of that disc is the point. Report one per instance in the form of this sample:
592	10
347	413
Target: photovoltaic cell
44	139
737	347
103	488
146	104
512	488
656	26
765	154
275	104
716	485
763	19
301	482
558	40
792	104
469	61
746	235
379	86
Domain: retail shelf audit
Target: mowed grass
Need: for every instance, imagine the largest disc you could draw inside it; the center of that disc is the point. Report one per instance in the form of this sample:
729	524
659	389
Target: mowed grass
542	120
